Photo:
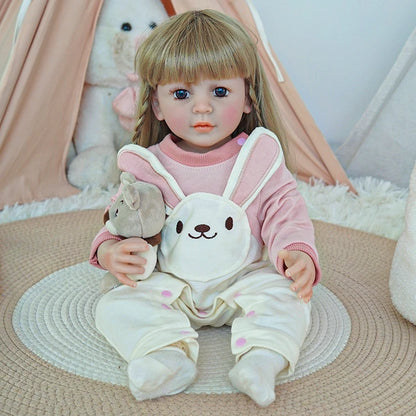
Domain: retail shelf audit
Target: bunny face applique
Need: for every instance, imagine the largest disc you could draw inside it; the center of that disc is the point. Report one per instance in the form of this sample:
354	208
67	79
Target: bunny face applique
206	236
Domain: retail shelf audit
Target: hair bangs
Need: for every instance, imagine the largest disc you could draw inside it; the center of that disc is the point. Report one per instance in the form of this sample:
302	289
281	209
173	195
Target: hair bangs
197	49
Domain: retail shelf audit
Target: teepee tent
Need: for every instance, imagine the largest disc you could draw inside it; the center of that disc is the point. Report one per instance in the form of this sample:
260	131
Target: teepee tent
386	132
40	92
42	77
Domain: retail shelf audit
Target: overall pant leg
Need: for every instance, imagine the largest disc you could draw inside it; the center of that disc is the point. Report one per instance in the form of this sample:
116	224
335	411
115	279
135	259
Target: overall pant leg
138	321
272	316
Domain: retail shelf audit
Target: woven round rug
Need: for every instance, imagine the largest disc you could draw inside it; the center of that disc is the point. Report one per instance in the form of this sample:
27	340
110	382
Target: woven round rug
55	320
373	375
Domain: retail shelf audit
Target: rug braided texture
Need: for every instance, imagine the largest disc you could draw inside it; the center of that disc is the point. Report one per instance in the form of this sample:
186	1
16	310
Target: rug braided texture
374	375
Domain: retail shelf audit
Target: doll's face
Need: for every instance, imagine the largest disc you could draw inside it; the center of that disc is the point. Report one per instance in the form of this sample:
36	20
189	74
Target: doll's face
203	114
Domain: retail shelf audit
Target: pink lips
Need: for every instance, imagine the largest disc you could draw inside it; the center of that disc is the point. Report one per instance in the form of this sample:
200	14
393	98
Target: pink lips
203	127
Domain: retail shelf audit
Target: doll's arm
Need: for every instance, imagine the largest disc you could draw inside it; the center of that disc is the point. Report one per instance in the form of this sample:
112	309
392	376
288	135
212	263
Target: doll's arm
288	228
120	258
104	256
299	267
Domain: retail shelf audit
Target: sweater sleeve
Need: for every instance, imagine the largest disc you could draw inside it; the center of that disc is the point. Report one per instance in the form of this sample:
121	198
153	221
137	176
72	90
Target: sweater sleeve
286	223
103	235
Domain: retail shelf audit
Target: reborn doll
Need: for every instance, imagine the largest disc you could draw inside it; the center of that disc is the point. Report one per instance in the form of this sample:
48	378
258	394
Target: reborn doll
208	137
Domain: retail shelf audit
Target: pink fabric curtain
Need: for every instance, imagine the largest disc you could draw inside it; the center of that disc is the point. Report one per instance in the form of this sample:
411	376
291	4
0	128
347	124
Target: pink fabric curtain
8	15
310	152
40	92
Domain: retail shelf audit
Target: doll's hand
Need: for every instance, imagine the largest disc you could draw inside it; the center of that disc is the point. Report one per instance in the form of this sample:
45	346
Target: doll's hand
301	269
120	258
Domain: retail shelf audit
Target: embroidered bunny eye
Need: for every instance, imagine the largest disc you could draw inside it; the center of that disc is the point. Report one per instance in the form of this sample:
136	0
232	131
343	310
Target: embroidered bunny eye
229	223
179	227
152	25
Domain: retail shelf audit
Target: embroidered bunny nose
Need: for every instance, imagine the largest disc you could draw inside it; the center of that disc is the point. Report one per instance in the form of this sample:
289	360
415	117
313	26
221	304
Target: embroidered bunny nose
202	228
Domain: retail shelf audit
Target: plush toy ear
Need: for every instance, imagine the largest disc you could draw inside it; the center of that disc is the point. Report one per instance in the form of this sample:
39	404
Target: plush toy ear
127	178
131	196
146	166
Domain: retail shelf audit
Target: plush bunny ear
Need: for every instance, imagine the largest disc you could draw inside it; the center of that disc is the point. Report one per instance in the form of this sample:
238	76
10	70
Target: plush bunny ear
145	165
260	156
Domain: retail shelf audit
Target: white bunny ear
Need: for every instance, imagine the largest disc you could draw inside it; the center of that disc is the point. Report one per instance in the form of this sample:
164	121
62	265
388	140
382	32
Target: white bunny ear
260	156
145	165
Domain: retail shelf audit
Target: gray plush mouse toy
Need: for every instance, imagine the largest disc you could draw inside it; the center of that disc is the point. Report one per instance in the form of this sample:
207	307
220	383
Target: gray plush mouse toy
139	211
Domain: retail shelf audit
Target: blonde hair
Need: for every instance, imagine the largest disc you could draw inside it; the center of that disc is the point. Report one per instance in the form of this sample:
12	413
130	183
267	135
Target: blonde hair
203	44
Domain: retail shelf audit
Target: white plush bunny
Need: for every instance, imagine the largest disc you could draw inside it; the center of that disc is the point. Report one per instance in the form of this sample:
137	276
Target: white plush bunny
208	236
403	268
110	83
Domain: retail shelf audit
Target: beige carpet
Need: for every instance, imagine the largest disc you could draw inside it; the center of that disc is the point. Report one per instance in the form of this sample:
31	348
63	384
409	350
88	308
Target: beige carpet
373	375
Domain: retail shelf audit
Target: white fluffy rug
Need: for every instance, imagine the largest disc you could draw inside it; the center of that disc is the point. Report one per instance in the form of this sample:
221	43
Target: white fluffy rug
378	208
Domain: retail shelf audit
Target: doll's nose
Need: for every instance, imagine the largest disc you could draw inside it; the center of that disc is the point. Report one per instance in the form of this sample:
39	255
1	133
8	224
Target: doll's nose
202	105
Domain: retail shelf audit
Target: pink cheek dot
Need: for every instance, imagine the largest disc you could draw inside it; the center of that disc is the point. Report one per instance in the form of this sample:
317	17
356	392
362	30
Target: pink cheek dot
166	307
237	294
251	313
241	141
241	342
185	332
167	293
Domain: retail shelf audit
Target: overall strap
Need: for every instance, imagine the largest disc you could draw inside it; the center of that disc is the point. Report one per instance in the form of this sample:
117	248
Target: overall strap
259	158
145	165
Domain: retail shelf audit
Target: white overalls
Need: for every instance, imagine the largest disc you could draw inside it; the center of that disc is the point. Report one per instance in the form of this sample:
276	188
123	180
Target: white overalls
210	272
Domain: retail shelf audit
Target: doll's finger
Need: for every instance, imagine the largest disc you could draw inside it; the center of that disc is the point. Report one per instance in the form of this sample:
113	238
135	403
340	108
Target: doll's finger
284	255
300	282
134	259
135	245
292	271
127	269
305	292
306	295
299	266
123	279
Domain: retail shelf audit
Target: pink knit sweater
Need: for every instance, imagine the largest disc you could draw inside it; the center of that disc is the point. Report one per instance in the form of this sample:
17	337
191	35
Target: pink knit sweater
278	216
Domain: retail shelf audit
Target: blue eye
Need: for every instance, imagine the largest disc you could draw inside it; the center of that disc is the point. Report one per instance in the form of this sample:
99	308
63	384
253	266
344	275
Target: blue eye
220	92
181	94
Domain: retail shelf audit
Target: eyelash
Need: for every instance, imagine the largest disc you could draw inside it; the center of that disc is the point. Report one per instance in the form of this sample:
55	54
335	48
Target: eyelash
215	93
